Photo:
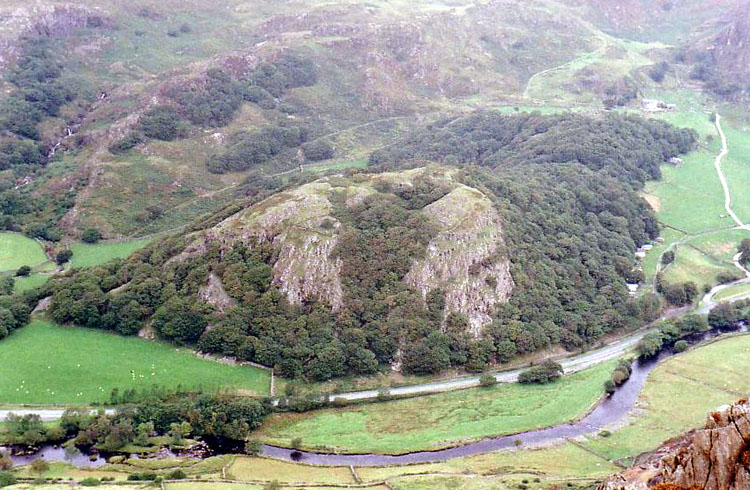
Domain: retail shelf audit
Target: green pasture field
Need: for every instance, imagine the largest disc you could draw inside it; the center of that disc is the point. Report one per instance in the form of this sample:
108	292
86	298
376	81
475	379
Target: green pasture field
732	292
736	168
690	198
17	250
441	420
22	284
695	265
48	364
89	255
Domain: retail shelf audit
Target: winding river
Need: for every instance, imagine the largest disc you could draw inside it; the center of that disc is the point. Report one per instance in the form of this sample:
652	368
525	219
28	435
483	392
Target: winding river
610	410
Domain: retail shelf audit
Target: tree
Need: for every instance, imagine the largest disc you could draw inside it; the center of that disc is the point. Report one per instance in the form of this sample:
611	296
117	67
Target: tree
650	345
180	321
544	373
253	447
667	257
63	256
91	235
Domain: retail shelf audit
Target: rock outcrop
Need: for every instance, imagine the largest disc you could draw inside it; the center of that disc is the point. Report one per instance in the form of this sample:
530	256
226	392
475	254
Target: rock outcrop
466	259
716	457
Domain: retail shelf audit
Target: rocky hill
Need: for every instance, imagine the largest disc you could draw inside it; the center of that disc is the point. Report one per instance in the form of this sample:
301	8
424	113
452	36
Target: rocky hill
716	457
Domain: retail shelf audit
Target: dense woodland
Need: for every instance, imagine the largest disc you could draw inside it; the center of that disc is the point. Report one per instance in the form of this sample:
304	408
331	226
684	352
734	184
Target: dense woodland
565	186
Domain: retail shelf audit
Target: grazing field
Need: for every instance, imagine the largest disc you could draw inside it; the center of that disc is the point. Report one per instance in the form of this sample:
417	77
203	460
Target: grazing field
732	292
245	468
17	250
736	168
89	255
22	284
441	420
48	364
692	264
695	182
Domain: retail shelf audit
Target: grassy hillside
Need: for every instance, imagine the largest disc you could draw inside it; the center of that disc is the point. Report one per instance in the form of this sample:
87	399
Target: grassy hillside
539	52
17	250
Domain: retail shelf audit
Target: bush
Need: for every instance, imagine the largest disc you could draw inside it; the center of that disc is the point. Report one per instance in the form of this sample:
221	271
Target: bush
7	479
541	374
178	474
127	143
681	346
162	123
487	380
90	482
317	150
610	387
64	256
91	235
23	271
253	447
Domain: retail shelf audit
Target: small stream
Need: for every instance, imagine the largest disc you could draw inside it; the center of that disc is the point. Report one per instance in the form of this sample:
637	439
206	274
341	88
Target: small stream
610	410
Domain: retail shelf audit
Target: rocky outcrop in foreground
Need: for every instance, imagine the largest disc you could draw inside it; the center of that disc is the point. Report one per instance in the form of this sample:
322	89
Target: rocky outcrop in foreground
716	457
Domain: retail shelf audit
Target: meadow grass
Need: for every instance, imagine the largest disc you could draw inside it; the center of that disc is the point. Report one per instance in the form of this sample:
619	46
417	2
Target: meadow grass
17	250
22	284
48	364
732	292
695	265
323	167
695	182
91	254
736	168
247	468
441	420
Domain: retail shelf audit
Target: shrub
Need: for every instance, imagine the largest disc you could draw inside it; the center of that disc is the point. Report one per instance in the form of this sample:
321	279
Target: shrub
178	474
253	447
64	256
318	150
487	380
23	271
162	123
90	482
681	346
610	387
7	479
91	235
541	374
127	143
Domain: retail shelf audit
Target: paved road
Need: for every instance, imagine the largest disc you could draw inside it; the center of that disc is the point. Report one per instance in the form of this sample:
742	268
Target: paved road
47	414
573	364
